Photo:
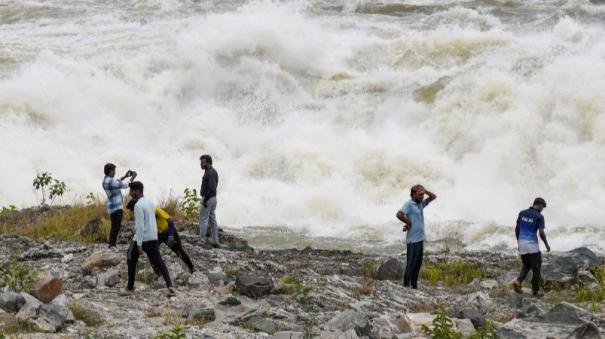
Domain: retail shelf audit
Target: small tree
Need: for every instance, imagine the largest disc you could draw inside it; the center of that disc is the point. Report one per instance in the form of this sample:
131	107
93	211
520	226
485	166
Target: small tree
190	204
443	327
44	181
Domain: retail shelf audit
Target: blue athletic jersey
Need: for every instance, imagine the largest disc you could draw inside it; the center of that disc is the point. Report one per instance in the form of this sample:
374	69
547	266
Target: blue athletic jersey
529	222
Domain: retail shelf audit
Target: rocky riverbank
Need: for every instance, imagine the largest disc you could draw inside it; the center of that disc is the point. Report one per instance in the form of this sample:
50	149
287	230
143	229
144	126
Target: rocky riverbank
241	292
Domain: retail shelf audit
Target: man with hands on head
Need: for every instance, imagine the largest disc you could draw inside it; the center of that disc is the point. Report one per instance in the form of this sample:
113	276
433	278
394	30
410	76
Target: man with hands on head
115	202
412	215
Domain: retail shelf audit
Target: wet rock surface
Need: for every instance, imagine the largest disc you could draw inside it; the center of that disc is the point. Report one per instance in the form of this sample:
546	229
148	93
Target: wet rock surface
236	291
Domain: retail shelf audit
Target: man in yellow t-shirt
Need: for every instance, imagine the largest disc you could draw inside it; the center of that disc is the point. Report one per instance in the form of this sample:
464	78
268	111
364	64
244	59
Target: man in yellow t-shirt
167	234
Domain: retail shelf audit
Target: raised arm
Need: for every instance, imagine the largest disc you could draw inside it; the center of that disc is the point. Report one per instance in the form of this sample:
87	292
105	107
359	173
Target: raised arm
431	195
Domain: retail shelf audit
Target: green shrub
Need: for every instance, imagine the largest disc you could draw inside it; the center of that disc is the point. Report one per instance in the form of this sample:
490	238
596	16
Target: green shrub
87	316
5	211
19	277
443	327
454	273
189	206
486	331
177	332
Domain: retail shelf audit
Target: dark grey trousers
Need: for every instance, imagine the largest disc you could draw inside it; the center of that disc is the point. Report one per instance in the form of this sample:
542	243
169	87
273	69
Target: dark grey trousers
533	262
415	252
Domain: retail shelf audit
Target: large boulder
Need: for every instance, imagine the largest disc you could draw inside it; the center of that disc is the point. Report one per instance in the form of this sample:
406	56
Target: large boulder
392	269
570	314
101	259
472	314
110	278
93	231
562	270
260	324
50	317
11	302
197	279
198	313
47	317
586	331
253	286
350	319
47	287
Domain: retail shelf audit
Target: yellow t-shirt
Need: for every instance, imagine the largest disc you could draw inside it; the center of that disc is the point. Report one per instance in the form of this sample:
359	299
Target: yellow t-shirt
161	219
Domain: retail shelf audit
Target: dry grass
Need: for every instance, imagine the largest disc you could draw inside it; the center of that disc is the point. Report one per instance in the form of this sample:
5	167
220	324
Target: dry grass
59	223
453	273
170	204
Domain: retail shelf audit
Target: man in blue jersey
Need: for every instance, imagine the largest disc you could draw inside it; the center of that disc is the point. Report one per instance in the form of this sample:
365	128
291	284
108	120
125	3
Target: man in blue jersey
412	215
529	223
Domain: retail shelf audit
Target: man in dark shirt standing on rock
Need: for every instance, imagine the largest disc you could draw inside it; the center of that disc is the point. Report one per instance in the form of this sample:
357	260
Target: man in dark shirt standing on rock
208	202
529	223
412	215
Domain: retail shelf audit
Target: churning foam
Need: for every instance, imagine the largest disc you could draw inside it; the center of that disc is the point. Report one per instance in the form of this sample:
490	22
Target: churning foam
319	117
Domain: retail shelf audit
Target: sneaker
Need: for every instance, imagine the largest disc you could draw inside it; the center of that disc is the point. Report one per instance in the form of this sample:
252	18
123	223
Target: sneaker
517	287
171	292
216	246
537	295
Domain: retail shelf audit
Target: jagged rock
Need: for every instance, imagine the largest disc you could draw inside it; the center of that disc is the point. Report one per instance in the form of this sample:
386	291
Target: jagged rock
254	287
288	335
586	331
562	270
416	320
198	279
533	310
474	315
47	317
588	280
29	309
218	278
61	300
67	258
489	284
110	278
50	318
93	231
259	324
464	326
88	282
101	259
11	302
47	287
566	313
403	323
392	269
230	301
350	319
233	243
479	299
198	313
